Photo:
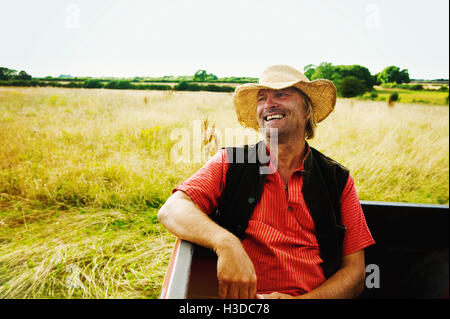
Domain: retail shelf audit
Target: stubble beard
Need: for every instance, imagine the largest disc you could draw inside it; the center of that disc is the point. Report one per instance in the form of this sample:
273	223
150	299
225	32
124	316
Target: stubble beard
283	136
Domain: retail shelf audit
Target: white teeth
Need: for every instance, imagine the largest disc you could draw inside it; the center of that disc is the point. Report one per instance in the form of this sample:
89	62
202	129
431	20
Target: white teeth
271	117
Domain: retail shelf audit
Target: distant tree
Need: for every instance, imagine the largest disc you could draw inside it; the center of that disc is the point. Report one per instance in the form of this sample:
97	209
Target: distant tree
200	75
351	86
93	84
375	79
182	86
309	70
393	74
3	75
212	77
337	73
405	76
324	70
7	74
23	76
185	86
359	72
119	84
203	76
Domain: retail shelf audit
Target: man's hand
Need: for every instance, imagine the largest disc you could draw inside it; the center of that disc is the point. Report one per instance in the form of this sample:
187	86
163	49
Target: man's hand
274	295
235	272
348	282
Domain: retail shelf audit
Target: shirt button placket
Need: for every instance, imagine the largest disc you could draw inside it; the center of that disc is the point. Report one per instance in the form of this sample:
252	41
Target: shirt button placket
290	208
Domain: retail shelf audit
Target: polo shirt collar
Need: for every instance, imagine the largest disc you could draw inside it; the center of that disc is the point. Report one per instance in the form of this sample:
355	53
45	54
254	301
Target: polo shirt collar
306	160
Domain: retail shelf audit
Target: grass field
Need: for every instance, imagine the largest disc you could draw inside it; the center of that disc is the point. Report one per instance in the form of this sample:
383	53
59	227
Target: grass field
83	173
432	97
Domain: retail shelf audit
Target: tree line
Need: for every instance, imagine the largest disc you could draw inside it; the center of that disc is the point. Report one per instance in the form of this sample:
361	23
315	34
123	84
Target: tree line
9	74
350	80
355	80
9	77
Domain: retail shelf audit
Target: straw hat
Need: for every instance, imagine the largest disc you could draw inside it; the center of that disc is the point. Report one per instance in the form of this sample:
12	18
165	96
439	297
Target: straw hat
321	92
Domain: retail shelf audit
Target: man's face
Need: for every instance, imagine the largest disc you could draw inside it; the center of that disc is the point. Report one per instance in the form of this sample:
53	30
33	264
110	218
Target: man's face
282	109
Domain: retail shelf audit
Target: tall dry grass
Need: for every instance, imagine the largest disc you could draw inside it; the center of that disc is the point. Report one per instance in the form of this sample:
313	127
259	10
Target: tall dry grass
83	173
395	154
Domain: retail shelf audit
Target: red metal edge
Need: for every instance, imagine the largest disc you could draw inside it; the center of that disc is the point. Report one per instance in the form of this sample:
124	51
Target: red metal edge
168	277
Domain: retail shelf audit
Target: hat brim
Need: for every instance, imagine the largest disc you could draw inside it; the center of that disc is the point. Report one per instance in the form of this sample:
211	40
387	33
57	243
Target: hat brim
321	92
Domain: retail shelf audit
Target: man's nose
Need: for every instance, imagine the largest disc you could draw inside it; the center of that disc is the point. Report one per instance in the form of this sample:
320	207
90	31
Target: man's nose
270	102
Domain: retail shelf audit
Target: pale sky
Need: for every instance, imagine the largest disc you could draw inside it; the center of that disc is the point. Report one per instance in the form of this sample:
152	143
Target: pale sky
227	38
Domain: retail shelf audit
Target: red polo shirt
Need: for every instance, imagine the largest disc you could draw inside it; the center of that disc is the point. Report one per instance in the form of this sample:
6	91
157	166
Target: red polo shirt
280	237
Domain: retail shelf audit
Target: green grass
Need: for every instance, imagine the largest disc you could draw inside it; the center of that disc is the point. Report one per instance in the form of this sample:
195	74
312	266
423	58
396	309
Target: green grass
81	180
113	254
84	172
410	96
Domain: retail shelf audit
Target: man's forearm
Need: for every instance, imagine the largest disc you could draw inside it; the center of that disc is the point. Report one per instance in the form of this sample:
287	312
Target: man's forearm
186	220
235	271
348	282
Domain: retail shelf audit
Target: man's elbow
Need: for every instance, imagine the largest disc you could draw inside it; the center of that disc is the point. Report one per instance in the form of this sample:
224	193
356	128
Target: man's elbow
164	212
360	287
355	269
169	210
360	281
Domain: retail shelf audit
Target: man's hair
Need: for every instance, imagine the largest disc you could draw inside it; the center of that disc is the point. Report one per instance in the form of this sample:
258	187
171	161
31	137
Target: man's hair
311	124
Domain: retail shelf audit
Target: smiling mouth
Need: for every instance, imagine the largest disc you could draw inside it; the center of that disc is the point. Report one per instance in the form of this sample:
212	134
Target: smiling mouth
274	117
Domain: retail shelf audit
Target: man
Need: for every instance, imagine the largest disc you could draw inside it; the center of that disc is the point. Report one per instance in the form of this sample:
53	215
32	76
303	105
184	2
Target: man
306	234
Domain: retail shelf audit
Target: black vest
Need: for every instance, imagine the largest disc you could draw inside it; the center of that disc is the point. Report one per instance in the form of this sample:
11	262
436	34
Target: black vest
323	182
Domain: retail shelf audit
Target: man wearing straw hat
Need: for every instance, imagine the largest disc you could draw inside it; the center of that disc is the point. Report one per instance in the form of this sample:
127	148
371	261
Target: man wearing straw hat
288	227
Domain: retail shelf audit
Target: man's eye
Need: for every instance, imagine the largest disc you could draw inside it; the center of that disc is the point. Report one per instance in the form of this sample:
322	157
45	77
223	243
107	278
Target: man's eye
281	94
260	98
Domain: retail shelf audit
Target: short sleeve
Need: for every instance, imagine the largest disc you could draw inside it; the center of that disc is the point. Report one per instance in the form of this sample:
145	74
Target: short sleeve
357	235
207	184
